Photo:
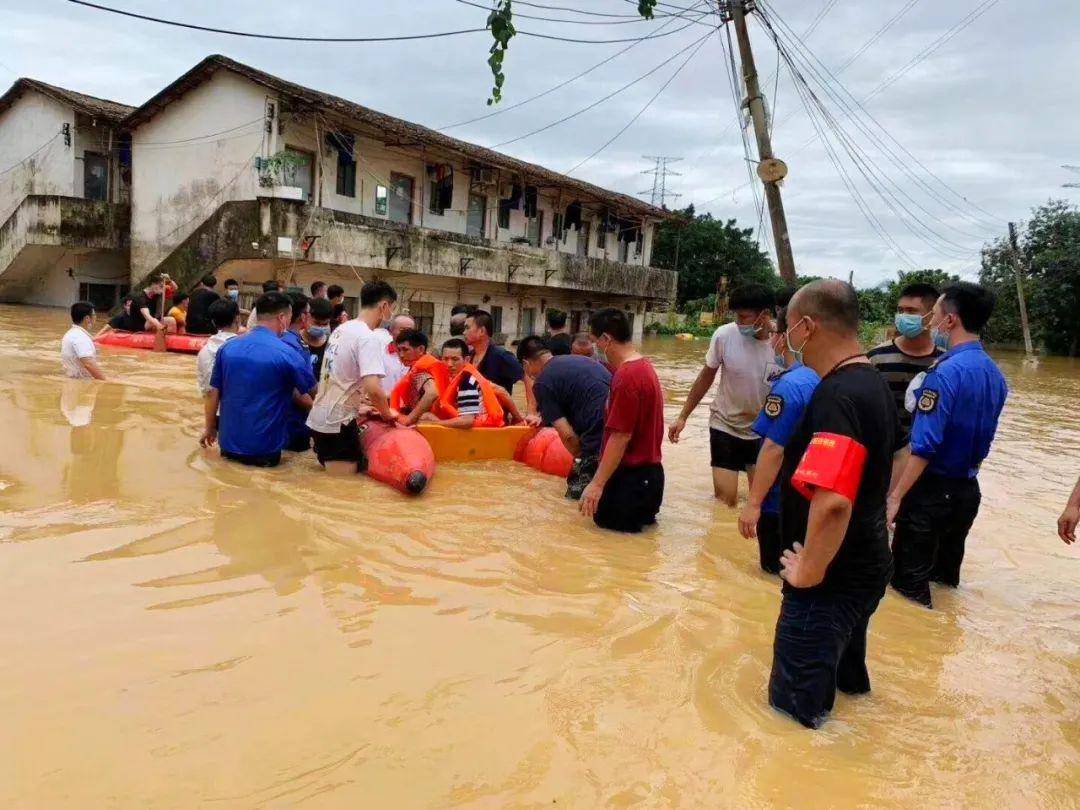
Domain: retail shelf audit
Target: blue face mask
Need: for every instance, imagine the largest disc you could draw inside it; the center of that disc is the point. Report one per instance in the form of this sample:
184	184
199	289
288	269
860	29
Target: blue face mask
780	361
233	294
318	332
941	339
910	326
748	331
796	353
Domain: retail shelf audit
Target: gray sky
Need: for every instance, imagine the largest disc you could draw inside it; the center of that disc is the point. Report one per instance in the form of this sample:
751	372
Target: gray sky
992	112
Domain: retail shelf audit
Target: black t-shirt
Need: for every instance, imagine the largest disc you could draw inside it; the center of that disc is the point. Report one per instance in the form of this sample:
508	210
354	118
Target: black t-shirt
198	312
317	353
559	344
501	367
576	389
852	401
134	320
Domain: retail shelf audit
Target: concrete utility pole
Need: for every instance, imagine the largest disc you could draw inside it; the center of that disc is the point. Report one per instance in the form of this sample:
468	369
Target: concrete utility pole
658	194
770	169
1014	252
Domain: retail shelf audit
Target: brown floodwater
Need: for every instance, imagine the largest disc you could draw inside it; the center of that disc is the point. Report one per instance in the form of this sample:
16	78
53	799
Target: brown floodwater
180	631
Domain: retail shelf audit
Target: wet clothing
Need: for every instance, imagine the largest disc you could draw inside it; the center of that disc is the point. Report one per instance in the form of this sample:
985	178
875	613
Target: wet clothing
317	353
341	446
899	369
559	344
745	365
820	642
299	435
198	312
501	368
256	375
204	362
575	389
931	531
132	320
727	452
956	416
353	352
783	410
581	475
631	499
469	398
395	369
267	460
75	346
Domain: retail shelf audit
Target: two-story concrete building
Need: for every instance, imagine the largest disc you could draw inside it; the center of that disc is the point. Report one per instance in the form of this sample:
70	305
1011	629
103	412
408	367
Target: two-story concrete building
237	172
64	186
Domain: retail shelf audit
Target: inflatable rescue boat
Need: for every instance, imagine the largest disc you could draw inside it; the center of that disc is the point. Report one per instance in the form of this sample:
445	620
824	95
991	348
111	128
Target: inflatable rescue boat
188	344
397	456
540	449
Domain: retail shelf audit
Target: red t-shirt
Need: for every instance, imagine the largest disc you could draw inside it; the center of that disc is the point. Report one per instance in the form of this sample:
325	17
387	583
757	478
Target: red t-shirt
636	406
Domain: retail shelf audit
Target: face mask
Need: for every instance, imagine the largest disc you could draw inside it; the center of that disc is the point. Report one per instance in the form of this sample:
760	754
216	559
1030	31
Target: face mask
798	353
780	361
318	332
910	326
233	294
941	339
748	331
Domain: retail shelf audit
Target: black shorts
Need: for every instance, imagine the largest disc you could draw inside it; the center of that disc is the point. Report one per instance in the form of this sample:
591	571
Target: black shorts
268	460
732	453
341	446
631	499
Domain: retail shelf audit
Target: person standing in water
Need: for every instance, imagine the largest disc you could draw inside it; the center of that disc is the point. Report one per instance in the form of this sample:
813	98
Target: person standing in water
742	349
627	490
78	352
834	481
936	498
1070	517
317	333
198	311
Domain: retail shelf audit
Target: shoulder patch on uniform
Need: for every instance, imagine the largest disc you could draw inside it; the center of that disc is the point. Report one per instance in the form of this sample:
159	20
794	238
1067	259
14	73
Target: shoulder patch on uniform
774	405
928	400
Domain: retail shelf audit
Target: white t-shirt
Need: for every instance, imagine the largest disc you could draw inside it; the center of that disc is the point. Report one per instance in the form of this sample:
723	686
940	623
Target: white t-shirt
353	352
395	369
744	364
76	345
204	363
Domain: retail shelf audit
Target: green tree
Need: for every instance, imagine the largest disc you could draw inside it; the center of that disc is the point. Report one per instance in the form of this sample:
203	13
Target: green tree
1050	249
998	276
704	249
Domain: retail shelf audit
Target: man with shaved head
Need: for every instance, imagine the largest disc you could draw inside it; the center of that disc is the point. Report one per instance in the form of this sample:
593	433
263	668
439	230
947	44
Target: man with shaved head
395	369
835	479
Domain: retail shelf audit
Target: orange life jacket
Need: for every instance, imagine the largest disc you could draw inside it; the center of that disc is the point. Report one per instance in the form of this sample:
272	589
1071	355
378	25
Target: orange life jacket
492	415
427	364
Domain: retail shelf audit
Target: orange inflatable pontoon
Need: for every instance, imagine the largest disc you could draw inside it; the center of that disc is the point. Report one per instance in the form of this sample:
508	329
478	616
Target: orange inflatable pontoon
188	344
540	449
397	456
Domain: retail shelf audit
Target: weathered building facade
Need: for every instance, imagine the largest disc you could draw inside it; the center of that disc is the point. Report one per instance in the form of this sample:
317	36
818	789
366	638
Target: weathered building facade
64	189
243	174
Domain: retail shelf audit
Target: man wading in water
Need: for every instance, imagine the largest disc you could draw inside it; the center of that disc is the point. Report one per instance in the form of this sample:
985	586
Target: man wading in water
835	478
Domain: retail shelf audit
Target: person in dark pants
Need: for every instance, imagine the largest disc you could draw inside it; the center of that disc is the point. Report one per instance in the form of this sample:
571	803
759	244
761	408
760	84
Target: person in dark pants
780	415
571	393
936	498
626	493
254	379
834	482
198	311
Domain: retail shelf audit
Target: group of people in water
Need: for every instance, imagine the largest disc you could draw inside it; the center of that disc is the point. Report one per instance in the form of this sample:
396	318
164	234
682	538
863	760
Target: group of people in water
839	444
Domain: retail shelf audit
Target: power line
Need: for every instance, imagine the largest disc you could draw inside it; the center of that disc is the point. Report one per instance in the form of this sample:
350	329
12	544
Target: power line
560	85
820	16
639	113
14	166
599	101
626	18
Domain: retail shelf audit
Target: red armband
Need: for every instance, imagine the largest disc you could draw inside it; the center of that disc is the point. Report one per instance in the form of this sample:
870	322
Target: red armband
832	462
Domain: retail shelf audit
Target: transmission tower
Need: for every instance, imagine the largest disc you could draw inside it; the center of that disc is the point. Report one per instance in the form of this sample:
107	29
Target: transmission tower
658	194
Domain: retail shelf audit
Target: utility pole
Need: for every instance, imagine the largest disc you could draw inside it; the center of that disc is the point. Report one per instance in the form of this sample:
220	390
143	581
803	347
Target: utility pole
770	169
1014	252
659	194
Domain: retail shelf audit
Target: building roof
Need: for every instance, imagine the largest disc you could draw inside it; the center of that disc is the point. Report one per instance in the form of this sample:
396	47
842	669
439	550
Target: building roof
406	131
95	107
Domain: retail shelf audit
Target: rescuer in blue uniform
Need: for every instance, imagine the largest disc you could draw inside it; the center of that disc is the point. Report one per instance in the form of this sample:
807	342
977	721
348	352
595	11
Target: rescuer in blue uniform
781	413
936	498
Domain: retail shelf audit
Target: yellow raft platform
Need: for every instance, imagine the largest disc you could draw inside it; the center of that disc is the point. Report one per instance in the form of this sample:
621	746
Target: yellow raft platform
480	444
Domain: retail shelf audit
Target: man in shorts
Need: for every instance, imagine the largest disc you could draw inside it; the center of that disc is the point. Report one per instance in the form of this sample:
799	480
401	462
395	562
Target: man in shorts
747	359
350	387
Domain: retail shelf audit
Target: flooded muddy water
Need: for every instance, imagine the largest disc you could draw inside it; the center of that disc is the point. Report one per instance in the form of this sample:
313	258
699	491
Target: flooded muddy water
179	631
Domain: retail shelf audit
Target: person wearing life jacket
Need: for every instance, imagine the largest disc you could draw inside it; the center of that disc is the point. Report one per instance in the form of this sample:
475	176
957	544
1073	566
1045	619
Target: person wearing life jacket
425	380
471	397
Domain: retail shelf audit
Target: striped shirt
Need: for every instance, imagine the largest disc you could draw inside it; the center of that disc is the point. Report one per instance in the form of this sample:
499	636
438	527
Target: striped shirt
468	397
899	369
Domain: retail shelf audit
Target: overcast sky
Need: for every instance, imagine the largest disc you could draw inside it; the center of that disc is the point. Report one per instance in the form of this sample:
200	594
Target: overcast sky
992	113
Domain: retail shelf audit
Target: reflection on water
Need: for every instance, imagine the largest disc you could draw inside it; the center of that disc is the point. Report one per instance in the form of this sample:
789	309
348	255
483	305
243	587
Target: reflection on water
178	630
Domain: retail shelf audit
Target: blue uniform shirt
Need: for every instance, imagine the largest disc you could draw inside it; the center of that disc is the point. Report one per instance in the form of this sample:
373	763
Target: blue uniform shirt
256	375
298	416
784	407
956	411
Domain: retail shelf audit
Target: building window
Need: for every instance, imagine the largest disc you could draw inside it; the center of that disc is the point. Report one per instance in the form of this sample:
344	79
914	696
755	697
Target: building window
382	201
298	170
528	321
624	249
532	197
535	229
344	144
474	219
504	213
557	233
401	202
440	188
496	319
95	176
104	297
423	312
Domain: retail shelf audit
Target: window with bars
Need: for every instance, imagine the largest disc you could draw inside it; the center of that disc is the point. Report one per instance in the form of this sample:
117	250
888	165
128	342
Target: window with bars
496	320
528	321
423	312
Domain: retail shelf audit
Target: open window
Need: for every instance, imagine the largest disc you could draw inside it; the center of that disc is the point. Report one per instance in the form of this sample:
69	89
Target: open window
440	188
382	201
344	143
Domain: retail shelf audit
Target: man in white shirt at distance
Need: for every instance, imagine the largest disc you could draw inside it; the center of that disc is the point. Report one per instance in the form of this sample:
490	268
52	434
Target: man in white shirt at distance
748	360
395	369
78	352
225	316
